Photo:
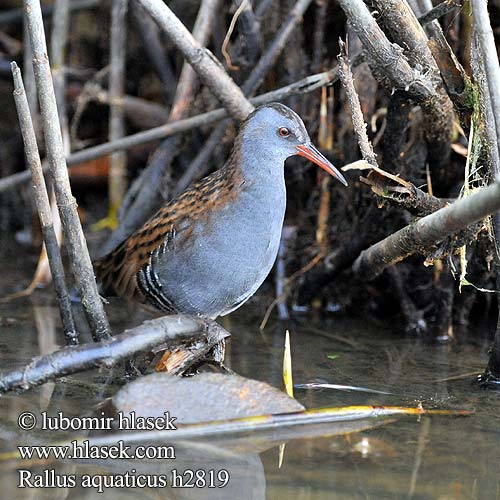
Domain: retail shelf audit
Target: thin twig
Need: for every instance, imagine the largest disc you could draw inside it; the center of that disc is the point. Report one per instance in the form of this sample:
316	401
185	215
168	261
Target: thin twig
141	201
230	30
205	64
43	206
357	115
77	249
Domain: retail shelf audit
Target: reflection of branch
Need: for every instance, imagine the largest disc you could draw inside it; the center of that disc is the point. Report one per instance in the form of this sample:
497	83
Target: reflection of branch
171	330
426	232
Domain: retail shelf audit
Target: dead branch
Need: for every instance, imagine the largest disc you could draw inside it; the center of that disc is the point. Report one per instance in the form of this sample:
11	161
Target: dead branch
423	234
358	121
43	206
58	41
385	185
155	49
204	63
303	86
438	11
187	81
384	54
141	113
491	68
29	79
141	201
404	27
16	15
169	330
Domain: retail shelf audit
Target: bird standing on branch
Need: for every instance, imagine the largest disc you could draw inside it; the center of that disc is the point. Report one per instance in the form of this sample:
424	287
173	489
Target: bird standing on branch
209	250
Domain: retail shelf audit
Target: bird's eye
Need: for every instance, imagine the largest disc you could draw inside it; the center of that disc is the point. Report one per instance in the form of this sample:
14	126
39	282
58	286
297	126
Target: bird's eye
284	132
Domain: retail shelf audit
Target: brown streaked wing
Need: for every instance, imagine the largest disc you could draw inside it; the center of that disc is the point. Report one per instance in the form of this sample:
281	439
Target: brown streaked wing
174	223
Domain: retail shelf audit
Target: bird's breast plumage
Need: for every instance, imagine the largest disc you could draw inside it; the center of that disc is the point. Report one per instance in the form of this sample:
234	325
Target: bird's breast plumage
228	255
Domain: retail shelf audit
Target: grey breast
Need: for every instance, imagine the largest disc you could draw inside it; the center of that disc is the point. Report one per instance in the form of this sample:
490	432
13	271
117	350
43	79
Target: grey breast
228	257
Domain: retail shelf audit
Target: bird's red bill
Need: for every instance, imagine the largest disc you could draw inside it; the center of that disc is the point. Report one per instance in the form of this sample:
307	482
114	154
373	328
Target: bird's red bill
310	152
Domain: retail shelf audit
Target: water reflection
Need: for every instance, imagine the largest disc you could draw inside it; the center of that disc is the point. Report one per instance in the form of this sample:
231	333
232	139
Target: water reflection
427	458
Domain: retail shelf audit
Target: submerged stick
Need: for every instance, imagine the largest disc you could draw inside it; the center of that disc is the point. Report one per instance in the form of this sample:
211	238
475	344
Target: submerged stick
75	240
43	206
427	231
170	330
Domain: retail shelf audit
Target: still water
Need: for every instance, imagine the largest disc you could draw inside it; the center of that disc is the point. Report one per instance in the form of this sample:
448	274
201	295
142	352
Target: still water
421	458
